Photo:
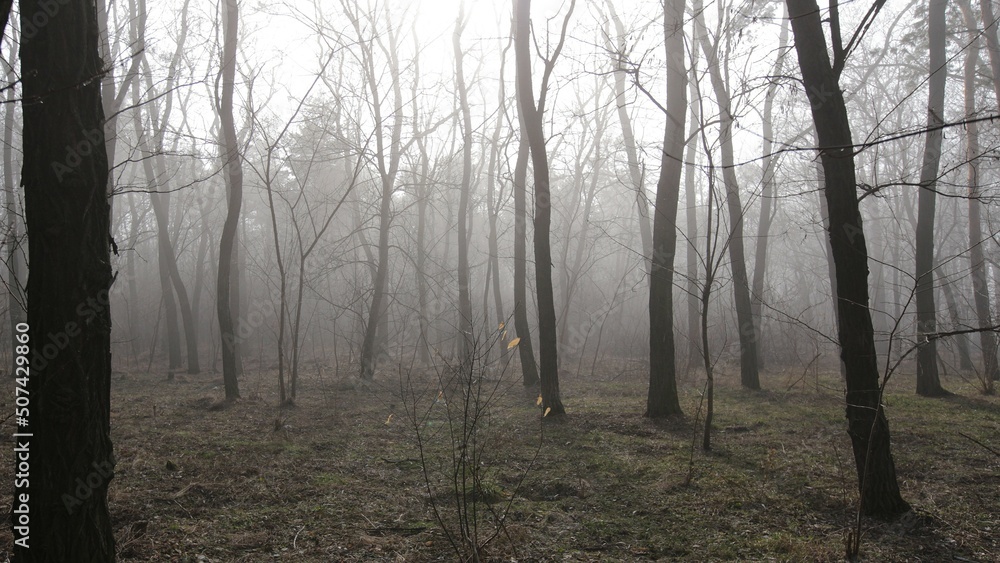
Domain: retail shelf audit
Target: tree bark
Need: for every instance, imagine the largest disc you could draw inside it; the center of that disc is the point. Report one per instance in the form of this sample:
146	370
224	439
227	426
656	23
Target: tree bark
532	122
928	381
661	399
234	168
529	369
68	220
867	424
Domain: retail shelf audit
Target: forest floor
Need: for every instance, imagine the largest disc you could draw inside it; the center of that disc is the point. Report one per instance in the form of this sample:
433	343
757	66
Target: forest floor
338	477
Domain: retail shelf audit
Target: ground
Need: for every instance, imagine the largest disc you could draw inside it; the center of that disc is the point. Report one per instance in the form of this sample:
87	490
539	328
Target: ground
339	477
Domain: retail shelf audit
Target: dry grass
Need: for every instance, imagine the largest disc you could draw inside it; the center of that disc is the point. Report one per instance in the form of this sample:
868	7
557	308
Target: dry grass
329	480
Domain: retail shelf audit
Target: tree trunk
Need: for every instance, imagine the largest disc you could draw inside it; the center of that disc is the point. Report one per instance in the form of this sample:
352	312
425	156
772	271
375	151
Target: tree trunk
388	165
529	370
767	196
928	381
662	397
628	139
691	231
749	376
867	424
980	280
68	223
532	124
466	336
992	43
234	177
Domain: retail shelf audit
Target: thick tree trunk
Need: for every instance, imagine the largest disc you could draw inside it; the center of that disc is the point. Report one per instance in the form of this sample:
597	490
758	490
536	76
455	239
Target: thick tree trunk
867	425
68	224
980	281
928	381
662	400
532	122
234	177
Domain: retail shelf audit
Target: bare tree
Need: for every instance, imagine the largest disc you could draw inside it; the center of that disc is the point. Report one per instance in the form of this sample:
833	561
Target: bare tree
749	376
980	285
547	340
662	398
234	180
867	424
768	197
466	335
928	381
620	52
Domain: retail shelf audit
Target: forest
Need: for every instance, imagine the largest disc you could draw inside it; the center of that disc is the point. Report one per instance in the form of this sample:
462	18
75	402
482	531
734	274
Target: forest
465	280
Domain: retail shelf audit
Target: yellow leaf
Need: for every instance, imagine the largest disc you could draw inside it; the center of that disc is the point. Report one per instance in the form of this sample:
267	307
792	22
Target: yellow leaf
513	343
388	420
538	403
501	326
547	411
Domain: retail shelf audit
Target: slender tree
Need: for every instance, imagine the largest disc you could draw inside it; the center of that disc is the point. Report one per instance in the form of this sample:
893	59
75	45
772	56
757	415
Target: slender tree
767	195
749	376
547	340
662	398
234	182
867	424
928	381
980	287
466	335
68	220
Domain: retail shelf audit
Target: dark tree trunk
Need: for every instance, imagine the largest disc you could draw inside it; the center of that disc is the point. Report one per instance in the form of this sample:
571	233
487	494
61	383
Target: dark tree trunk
68	224
234	176
662	398
529	370
928	381
532	123
867	425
